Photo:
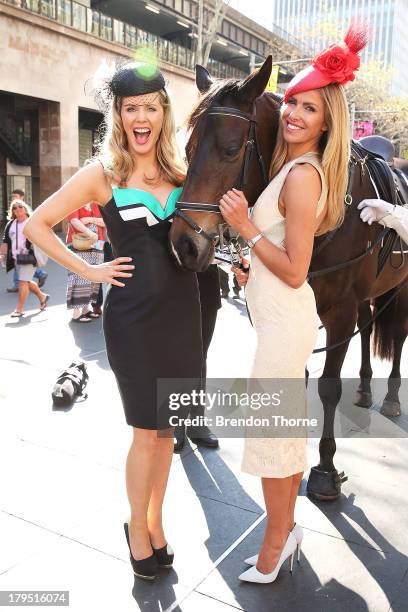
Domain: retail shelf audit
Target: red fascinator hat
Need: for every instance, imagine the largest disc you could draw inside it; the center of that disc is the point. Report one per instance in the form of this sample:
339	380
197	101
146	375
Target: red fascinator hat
336	64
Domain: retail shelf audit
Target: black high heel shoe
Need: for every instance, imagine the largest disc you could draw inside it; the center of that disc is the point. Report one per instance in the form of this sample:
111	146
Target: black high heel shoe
142	568
164	555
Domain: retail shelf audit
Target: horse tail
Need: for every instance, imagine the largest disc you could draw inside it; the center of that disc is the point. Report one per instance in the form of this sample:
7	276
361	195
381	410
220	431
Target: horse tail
385	324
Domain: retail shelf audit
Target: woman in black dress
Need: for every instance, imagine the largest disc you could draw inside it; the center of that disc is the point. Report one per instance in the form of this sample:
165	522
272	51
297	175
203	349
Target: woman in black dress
152	319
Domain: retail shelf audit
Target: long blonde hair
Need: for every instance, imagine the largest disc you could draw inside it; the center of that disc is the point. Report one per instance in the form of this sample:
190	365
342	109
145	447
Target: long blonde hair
334	154
10	212
116	159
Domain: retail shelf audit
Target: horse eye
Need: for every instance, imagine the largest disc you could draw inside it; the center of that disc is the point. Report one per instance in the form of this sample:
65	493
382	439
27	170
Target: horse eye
232	150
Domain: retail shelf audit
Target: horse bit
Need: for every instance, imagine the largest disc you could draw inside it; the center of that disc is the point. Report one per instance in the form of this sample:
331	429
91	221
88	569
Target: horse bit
251	144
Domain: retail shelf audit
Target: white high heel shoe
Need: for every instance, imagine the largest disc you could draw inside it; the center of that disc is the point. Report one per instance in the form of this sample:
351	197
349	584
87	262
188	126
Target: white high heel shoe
297	531
254	575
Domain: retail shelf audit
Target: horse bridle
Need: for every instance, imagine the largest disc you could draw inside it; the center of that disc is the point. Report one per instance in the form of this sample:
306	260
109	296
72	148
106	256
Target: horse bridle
251	144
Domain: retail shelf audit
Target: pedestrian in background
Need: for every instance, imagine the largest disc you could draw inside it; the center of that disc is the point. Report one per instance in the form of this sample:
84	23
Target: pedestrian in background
17	251
40	275
85	237
107	256
224	283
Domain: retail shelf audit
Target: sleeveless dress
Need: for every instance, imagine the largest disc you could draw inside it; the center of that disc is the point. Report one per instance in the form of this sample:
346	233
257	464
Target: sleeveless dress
286	323
152	325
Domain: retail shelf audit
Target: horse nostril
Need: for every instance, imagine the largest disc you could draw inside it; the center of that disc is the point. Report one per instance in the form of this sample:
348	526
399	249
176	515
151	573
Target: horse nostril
186	247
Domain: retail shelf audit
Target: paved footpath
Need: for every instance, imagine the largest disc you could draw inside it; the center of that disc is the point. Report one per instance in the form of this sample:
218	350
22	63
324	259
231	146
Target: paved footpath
62	489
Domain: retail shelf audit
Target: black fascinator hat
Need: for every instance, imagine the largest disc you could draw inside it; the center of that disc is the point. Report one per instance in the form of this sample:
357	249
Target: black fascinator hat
136	80
130	78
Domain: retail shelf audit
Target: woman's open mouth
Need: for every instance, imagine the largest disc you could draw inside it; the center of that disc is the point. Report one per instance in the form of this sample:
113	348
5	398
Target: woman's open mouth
142	135
292	127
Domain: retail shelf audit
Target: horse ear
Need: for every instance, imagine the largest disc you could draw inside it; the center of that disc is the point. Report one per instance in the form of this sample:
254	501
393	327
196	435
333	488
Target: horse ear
203	79
254	85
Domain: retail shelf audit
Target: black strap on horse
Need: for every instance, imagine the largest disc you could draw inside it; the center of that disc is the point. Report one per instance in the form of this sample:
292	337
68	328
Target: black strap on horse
372	319
384	181
251	145
382	176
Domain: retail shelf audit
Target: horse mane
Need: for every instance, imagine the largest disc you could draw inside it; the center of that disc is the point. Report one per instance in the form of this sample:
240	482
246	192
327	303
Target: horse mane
216	92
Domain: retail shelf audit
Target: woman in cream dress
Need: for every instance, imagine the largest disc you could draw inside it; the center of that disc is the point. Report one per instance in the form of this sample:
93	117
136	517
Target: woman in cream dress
304	198
284	317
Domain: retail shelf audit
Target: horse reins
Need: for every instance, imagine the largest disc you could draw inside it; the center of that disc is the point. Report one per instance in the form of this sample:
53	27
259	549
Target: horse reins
251	145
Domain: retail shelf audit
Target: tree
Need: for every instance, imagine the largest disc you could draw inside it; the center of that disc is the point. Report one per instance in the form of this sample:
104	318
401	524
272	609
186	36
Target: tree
371	92
206	34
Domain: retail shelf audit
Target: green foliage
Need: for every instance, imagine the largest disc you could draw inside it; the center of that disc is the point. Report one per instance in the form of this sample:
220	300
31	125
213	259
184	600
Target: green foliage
371	92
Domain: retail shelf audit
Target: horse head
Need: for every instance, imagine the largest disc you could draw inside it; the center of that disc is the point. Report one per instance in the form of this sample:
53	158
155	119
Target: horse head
231	141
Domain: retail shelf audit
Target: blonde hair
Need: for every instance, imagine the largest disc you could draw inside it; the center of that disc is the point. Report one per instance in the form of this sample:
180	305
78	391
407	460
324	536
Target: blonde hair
334	154
10	213
116	159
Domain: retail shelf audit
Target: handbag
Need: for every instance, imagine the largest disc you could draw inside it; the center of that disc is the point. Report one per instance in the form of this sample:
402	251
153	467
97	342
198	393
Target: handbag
70	385
24	259
81	241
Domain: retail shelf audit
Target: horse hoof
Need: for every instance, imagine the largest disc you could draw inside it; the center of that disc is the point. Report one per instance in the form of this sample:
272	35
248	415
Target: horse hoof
364	399
325	486
390	409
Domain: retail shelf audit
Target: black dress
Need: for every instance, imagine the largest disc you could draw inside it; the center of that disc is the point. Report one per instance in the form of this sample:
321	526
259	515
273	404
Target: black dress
152	326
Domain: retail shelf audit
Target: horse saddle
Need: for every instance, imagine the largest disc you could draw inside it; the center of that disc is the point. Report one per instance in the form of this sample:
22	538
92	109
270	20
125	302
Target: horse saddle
388	186
379	146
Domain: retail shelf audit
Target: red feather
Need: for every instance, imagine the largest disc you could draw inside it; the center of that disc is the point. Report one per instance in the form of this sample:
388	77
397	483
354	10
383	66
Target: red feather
357	36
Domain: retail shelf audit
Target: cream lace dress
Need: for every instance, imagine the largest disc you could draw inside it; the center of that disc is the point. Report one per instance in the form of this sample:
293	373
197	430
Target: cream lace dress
286	323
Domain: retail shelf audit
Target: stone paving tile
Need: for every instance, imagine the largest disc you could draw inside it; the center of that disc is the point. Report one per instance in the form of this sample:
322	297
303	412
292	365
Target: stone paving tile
52	489
95	581
373	508
197	602
198	529
20	539
400	603
332	575
216	474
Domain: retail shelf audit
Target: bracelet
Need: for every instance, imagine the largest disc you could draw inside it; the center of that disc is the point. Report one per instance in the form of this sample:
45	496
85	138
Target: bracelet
252	241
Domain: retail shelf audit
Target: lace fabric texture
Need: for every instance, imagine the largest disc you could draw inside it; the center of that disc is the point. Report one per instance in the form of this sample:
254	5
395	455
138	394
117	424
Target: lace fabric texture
286	324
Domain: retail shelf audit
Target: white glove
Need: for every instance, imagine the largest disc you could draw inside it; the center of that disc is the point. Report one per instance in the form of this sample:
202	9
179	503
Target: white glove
386	214
374	210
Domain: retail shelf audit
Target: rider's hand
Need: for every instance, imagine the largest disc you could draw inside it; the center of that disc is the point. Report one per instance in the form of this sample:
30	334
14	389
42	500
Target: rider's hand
374	210
241	275
107	272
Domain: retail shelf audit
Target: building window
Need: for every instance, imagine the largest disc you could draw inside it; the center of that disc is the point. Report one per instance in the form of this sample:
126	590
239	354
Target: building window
118	31
79	16
64	8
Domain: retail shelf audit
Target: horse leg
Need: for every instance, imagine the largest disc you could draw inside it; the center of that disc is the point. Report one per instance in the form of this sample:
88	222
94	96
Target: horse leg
364	396
324	481
391	406
390	331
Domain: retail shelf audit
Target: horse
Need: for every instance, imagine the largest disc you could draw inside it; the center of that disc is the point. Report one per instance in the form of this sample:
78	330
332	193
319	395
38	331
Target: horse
233	134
